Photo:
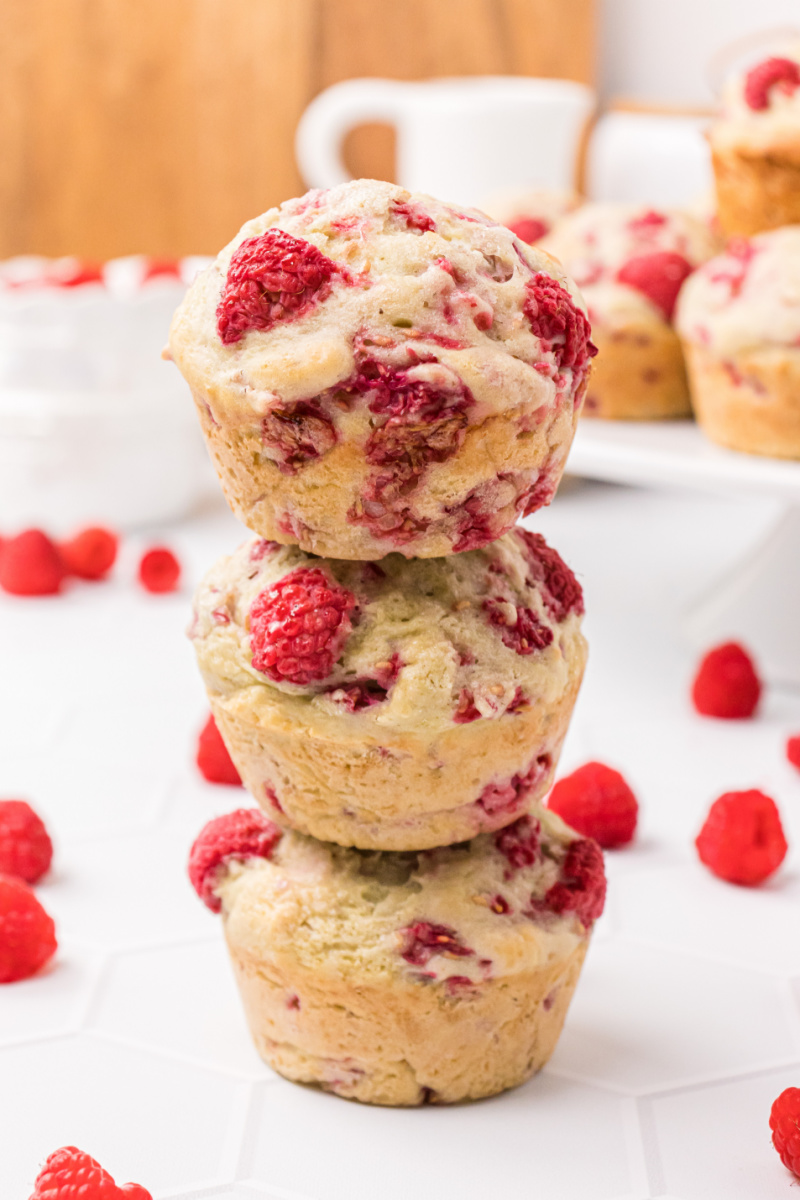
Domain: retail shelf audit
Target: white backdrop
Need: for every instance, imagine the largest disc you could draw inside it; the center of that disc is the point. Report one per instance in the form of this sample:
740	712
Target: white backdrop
658	50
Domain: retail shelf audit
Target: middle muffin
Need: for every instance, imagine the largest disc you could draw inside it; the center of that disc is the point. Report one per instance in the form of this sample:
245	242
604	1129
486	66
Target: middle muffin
394	706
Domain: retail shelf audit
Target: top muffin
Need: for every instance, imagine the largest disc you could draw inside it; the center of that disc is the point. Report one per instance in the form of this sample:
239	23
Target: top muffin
760	109
376	371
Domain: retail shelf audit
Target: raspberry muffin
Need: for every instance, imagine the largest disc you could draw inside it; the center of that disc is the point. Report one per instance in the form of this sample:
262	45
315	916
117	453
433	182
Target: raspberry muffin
739	318
377	371
404	979
630	263
532	213
392	706
755	147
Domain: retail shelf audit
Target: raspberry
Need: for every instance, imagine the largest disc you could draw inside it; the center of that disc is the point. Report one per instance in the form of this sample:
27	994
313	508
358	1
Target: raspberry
582	889
784	1121
414	216
597	802
25	847
505	797
239	835
726	684
297	435
161	268
272	278
31	565
90	554
422	941
525	633
772	72
561	592
364	693
70	1174
213	759
159	570
466	710
742	839
529	229
556	321
299	625
647	221
658	276
793	750
519	844
27	933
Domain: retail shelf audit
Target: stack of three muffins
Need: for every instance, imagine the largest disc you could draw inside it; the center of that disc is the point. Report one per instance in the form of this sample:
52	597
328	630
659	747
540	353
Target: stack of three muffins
385	384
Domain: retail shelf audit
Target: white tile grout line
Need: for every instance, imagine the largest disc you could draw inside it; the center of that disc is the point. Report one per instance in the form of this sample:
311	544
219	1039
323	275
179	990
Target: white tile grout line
790	999
699	1084
187	1060
238	1117
634	1145
690	1083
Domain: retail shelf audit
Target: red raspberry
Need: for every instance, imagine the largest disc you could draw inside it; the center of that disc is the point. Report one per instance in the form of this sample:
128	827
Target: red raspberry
793	751
784	1121
272	278
159	570
597	802
90	554
27	934
519	844
245	833
422	941
508	796
213	759
561	592
466	710
528	229
525	635
742	839
582	888
555	319
25	847
297	435
414	216
70	1174
299	625
31	565
772	72
726	684
658	276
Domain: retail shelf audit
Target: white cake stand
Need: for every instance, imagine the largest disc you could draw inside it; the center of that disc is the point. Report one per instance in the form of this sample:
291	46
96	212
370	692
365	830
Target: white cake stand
759	600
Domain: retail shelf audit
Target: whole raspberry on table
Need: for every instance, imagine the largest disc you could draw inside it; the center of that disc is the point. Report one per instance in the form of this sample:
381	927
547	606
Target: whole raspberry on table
784	1121
245	833
271	278
25	847
213	759
159	570
742	839
90	554
30	565
299	625
726	684
658	277
597	802
793	750
27	933
71	1174
762	78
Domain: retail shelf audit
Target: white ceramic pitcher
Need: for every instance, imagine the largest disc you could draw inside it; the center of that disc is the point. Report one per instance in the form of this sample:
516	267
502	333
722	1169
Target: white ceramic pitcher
459	139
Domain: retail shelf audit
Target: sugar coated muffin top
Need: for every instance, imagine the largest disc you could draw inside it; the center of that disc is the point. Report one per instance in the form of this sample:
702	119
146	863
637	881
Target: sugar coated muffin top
629	260
504	902
342	287
747	298
414	644
760	107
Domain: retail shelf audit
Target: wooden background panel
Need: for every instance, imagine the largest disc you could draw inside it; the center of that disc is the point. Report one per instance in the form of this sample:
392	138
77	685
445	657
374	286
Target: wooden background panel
160	125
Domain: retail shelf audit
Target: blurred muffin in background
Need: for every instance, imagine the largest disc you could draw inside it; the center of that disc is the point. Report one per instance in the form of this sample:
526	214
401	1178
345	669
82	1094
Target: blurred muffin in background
755	146
533	212
739	319
630	262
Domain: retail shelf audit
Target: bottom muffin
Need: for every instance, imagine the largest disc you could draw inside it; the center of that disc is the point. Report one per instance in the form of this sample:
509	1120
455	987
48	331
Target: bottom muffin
403	978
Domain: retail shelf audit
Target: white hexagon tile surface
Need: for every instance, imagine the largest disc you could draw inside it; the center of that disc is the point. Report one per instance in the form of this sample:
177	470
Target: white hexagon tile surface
132	1044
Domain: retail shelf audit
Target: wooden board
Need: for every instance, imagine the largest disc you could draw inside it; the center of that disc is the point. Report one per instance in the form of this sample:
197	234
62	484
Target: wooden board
161	125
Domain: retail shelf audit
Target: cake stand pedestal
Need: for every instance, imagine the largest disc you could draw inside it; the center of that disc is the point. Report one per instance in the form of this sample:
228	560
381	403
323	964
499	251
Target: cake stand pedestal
758	600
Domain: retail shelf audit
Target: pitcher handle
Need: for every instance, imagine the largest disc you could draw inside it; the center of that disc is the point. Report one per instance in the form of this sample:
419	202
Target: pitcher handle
329	118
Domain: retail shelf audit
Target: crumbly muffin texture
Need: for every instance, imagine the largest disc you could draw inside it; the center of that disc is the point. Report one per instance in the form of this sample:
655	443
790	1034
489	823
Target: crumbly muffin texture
405	978
397	705
378	371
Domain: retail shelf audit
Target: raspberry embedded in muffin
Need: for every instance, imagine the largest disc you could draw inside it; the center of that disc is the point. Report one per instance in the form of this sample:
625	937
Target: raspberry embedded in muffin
394	705
363	359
